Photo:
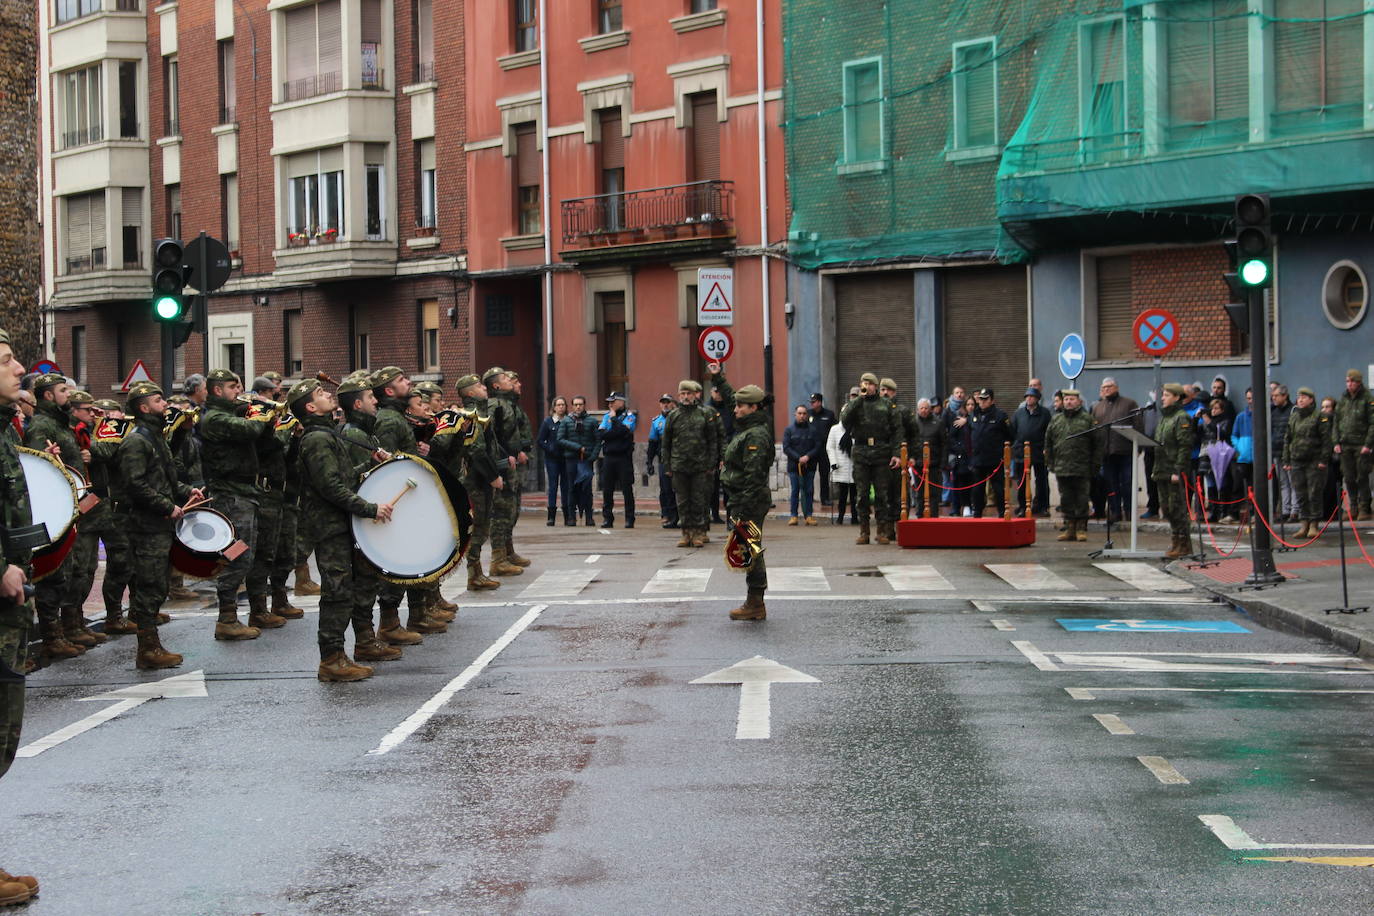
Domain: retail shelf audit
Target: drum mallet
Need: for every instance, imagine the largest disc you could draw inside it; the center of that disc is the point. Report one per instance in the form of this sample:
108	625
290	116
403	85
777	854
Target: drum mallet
411	483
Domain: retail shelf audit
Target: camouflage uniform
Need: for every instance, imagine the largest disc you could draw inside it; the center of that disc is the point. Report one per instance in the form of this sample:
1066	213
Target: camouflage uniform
748	460
906	425
522	440
287	533
50	424
230	459
151	492
358	428
1174	456
1354	433
691	451
109	486
1307	450
1073	459
875	427
271	451
15	618
99	524
479	466
505	432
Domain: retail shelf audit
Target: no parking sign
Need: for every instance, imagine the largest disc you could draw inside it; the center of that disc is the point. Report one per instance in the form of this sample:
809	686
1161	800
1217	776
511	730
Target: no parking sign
1155	332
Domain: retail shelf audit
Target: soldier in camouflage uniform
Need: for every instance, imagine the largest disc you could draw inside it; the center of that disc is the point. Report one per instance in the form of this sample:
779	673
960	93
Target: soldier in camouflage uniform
94	526
906	419
109	486
60	629
484	475
230	459
1173	461
1073	459
1307	445
744	477
272	463
1354	437
329	499
151	505
524	441
185	445
876	430
691	452
505	502
397	436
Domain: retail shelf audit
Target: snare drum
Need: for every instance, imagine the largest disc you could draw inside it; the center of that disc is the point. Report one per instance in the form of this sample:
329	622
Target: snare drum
428	532
205	543
53	502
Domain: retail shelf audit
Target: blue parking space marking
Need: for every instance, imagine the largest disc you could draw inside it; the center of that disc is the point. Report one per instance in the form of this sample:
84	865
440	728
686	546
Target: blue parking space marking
1100	625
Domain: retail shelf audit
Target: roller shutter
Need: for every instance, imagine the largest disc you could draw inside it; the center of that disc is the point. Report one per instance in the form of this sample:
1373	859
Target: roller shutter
985	336
705	137
1115	312
875	329
528	166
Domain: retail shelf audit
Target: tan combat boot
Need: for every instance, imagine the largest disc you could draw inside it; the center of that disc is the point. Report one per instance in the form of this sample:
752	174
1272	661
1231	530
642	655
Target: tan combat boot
338	668
151	655
368	648
421	620
752	608
883	537
477	580
55	645
116	624
15	889
177	590
1070	526
304	584
436	608
1080	531
699	537
390	630
501	566
282	606
441	602
75	629
1176	549
228	626
686	539
514	557
259	616
863	533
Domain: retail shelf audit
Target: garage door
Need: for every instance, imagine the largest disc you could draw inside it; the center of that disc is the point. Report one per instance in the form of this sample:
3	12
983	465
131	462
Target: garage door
986	342
875	320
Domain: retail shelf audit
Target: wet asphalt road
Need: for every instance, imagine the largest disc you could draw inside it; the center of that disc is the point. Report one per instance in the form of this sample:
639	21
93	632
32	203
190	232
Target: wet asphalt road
935	768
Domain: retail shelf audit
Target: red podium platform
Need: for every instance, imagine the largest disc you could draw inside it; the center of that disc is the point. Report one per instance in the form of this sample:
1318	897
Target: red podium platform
966	532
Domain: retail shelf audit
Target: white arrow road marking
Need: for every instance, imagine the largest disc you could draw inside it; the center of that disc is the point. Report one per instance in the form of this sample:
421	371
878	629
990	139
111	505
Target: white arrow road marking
181	685
1236	838
755	675
1232	662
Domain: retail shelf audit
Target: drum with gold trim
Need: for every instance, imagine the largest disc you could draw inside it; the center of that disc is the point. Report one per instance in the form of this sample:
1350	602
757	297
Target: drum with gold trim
430	522
53	502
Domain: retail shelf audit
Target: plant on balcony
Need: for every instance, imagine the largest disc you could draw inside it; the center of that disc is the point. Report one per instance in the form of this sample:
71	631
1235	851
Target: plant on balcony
327	235
298	239
423	231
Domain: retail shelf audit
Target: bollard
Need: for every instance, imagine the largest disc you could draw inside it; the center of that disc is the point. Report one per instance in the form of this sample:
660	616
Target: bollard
1030	485
925	463
905	487
1007	476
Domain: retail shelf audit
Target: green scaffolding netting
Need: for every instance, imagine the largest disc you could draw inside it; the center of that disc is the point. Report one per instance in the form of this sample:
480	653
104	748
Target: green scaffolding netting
925	129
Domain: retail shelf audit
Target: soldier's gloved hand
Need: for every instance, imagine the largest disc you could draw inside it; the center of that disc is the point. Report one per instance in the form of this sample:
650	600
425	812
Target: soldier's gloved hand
499	483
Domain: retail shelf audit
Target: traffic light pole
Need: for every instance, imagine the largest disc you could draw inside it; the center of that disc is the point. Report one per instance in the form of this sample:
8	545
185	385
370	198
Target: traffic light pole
169	357
1263	572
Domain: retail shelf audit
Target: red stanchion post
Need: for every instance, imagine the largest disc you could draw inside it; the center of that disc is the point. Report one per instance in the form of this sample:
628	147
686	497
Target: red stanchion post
925	474
1006	464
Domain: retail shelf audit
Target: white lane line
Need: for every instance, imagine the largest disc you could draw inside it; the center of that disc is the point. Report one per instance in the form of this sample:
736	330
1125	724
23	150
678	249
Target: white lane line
987	607
1020	600
1090	693
678	581
1234	837
1035	656
77	728
1028	576
1164	771
1143	576
1113	724
1004	625
915	579
557	583
1228	662
426	712
592	558
797	579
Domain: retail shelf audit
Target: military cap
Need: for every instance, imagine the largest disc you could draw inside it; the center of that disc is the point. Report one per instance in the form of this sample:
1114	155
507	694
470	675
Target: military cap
869	377
108	404
688	385
354	382
514	376
273	376
1308	391
1175	389
887	383
429	389
854	392
492	373
749	394
1068	392
221	375
666	398
80	399
386	375
1354	375
301	390
466	381
48	380
4	336
140	390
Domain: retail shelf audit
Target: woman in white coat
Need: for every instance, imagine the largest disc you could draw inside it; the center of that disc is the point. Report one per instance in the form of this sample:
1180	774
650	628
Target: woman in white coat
841	474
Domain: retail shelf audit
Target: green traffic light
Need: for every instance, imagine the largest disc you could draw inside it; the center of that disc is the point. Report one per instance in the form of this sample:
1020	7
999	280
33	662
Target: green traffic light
1254	272
167	308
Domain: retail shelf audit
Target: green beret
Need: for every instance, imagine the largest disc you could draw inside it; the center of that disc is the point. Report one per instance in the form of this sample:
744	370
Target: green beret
221	375
1354	375
1309	392
386	375
80	398
1175	389
429	389
273	377
688	385
514	376
492	373
888	383
48	380
355	382
869	377
749	394
4	336
466	381
108	404
302	390
139	391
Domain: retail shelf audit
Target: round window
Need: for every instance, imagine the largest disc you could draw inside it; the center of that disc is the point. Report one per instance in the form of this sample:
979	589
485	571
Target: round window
1345	294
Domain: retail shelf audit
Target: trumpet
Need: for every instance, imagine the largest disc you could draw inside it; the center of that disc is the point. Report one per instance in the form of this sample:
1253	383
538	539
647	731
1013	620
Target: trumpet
262	408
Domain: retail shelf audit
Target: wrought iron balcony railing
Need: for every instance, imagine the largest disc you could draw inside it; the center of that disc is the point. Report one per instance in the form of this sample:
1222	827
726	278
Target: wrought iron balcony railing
702	208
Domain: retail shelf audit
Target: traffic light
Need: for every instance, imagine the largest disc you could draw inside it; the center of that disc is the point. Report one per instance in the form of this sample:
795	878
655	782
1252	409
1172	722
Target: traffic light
1254	241
169	280
1238	303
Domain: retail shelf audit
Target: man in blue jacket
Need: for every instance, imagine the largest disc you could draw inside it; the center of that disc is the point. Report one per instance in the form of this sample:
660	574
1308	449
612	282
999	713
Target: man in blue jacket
667	497
616	435
580	443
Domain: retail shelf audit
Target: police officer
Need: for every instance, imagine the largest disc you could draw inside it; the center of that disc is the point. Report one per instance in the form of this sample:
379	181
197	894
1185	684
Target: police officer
505	429
1173	464
692	451
329	499
667	499
744	476
617	435
1355	441
876	430
1073	458
150	506
484	475
1307	445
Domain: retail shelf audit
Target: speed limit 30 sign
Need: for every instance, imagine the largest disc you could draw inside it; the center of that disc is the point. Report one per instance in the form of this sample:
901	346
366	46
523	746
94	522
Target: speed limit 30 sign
715	345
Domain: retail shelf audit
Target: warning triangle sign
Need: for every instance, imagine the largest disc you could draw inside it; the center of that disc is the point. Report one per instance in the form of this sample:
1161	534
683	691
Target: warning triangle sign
139	373
716	301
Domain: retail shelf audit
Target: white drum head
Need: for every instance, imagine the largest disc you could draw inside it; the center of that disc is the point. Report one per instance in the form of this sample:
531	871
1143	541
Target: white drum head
421	540
205	530
51	497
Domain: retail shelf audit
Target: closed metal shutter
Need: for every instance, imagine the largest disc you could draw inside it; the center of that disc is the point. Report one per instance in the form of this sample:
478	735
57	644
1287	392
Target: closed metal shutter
612	142
528	167
985	331
875	326
1115	312
331	41
705	137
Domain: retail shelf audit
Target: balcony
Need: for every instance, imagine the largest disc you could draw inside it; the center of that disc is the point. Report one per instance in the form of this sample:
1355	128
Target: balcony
653	223
321	254
310	86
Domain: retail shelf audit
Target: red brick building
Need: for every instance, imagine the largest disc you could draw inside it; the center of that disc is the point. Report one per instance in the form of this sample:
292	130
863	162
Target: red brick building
322	140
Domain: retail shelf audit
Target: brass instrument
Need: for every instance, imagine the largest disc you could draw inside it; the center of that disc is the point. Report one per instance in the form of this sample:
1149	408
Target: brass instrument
262	408
744	545
465	421
178	418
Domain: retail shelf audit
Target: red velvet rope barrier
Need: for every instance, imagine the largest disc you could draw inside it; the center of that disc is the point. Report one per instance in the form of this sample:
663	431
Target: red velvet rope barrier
935	485
1211	536
1250	491
1355	530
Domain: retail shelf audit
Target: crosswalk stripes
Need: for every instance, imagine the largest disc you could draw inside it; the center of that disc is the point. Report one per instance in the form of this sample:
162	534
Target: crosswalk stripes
1028	576
1143	576
559	583
797	579
677	582
915	579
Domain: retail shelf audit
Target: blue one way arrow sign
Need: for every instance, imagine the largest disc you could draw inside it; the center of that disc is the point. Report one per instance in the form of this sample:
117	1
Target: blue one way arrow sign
1072	354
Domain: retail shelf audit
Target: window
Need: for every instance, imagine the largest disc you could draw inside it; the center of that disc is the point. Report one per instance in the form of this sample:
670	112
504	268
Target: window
82	111
359	330
316	204
1115	311
429	334
314	50
528	178
128	100
171	97
229	207
975	94
79	353
863	110
612	150
374	189
228	92
1318	65
427	201
526	25
705	146
703	6
608	16
85	231
500	316
128	6
362	355
1208	72
291	334
1344	295
173	211
67	10
373	76
131	223
1102	98
614	340
424	41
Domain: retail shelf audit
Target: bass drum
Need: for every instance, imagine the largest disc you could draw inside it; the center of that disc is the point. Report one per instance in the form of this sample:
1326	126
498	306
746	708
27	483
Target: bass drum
53	502
430	522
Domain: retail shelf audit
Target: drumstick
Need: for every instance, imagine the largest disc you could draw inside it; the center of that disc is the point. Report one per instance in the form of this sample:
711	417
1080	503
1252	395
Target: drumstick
196	504
411	483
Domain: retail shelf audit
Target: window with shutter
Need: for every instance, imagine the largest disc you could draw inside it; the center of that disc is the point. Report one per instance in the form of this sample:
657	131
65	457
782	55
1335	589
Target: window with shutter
612	168
975	94
229	191
78	215
131	224
299	23
424	40
1103	90
528	172
705	137
526	25
986	304
1208	73
331	46
1318	64
1115	310
872	311
427	215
